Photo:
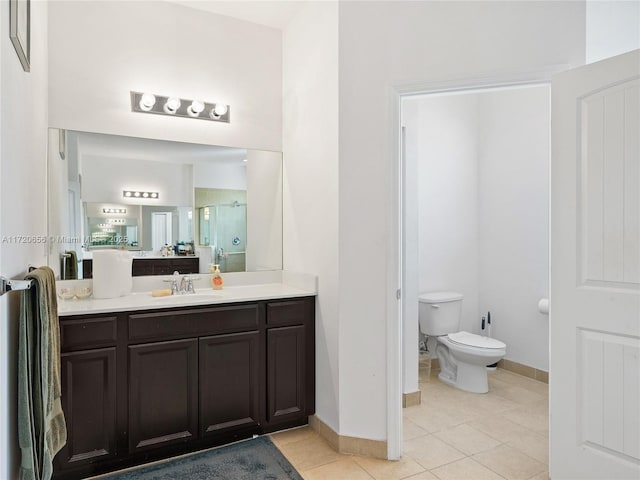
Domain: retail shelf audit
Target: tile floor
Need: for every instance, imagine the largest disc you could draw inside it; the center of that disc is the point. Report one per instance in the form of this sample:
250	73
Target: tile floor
452	435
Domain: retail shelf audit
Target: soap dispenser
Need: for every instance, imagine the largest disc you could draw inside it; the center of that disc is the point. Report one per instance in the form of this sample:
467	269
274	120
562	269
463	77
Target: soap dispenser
216	280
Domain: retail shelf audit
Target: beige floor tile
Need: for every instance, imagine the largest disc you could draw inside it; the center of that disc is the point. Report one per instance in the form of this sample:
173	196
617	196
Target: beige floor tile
499	428
541	476
532	444
293	435
389	470
520	395
309	453
525	382
492	403
510	463
422	476
467	439
529	418
343	469
465	469
431	452
410	430
434	418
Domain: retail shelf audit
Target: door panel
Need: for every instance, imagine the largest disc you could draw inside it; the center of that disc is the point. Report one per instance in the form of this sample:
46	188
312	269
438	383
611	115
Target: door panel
229	381
286	373
595	263
163	393
89	405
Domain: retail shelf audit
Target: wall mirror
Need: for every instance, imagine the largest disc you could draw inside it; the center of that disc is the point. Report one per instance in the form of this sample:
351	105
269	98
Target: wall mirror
161	200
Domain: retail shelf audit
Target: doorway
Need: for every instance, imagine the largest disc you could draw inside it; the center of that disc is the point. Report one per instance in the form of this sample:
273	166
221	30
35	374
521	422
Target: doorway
161	230
477	158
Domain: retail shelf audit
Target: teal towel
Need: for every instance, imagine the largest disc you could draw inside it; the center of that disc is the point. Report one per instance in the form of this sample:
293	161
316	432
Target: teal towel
42	430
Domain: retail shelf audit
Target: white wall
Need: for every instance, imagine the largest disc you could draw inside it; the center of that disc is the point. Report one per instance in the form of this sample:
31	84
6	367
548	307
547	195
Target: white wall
514	219
613	27
383	44
448	199
105	178
219	175
100	51
264	211
23	150
310	143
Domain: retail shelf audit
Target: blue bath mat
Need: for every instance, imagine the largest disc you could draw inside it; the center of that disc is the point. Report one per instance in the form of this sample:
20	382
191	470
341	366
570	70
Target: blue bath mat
256	459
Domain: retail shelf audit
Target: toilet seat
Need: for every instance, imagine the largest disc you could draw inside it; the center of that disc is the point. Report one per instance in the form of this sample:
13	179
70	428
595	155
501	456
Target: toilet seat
477	341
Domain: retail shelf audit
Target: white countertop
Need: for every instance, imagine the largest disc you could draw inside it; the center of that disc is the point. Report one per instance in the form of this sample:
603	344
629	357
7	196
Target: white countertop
281	285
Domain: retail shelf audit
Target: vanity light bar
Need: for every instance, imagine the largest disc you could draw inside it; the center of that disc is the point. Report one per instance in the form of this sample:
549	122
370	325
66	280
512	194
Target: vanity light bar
116	220
114	210
144	102
137	194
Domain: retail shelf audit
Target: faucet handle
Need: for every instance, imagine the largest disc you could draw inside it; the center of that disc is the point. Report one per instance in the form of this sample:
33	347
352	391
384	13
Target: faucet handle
189	288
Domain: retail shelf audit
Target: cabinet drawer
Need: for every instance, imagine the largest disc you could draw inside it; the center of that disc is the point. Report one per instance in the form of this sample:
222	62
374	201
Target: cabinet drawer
192	322
88	332
291	312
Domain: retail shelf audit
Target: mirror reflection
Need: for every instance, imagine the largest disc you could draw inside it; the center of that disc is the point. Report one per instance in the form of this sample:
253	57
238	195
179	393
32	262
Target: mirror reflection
163	201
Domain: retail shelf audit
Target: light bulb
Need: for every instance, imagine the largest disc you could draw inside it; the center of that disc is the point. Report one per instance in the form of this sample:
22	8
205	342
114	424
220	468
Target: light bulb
220	109
127	194
154	195
147	101
172	105
195	108
136	194
145	195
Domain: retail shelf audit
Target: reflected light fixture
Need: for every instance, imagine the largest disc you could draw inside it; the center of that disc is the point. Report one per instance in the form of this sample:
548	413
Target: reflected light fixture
114	210
145	102
139	194
172	105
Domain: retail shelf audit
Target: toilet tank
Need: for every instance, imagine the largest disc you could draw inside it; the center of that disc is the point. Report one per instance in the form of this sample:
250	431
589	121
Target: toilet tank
439	313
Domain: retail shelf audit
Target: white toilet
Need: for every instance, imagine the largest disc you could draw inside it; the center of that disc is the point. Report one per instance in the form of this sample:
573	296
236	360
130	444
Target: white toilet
463	356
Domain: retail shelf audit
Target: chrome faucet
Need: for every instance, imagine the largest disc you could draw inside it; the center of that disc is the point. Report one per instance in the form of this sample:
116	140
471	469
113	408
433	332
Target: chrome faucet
186	285
181	285
175	290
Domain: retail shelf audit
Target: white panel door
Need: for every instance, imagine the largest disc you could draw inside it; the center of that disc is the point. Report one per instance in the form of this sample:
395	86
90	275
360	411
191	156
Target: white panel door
595	272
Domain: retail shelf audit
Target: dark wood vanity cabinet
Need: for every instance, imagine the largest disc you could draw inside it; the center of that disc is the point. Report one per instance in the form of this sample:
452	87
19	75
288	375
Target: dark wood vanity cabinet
163	393
140	386
153	266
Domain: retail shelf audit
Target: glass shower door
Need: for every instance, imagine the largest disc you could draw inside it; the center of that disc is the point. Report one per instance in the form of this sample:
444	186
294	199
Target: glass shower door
231	236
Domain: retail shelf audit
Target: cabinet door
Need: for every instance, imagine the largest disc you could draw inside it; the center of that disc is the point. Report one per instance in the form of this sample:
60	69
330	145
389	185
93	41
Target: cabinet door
163	393
286	373
89	405
229	382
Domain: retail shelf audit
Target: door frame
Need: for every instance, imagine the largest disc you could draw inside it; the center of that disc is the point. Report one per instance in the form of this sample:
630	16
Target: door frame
395	246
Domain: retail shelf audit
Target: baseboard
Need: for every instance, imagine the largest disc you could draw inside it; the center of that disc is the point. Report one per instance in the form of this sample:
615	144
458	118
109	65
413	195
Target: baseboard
349	445
524	370
411	399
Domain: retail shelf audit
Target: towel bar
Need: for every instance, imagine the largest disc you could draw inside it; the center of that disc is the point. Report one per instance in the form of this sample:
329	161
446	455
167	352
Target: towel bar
11	285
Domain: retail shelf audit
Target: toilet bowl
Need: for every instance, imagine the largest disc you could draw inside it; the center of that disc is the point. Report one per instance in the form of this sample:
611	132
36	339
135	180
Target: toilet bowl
463	356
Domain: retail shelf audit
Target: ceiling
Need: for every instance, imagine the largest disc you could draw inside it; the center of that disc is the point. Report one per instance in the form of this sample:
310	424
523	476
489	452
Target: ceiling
272	13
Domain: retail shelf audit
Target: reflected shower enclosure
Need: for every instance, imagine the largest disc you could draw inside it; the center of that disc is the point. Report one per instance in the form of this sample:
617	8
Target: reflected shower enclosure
224	227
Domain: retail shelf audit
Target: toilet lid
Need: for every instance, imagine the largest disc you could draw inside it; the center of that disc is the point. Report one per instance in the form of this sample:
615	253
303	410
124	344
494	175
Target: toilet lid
473	340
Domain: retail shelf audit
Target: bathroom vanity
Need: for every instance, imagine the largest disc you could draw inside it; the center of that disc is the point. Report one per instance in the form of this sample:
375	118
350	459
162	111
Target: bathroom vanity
155	378
153	265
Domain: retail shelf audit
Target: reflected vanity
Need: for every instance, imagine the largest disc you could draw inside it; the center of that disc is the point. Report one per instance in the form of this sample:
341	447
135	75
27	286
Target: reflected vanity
174	205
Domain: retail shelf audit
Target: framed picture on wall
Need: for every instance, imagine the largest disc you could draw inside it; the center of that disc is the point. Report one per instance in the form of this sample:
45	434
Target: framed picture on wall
20	30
